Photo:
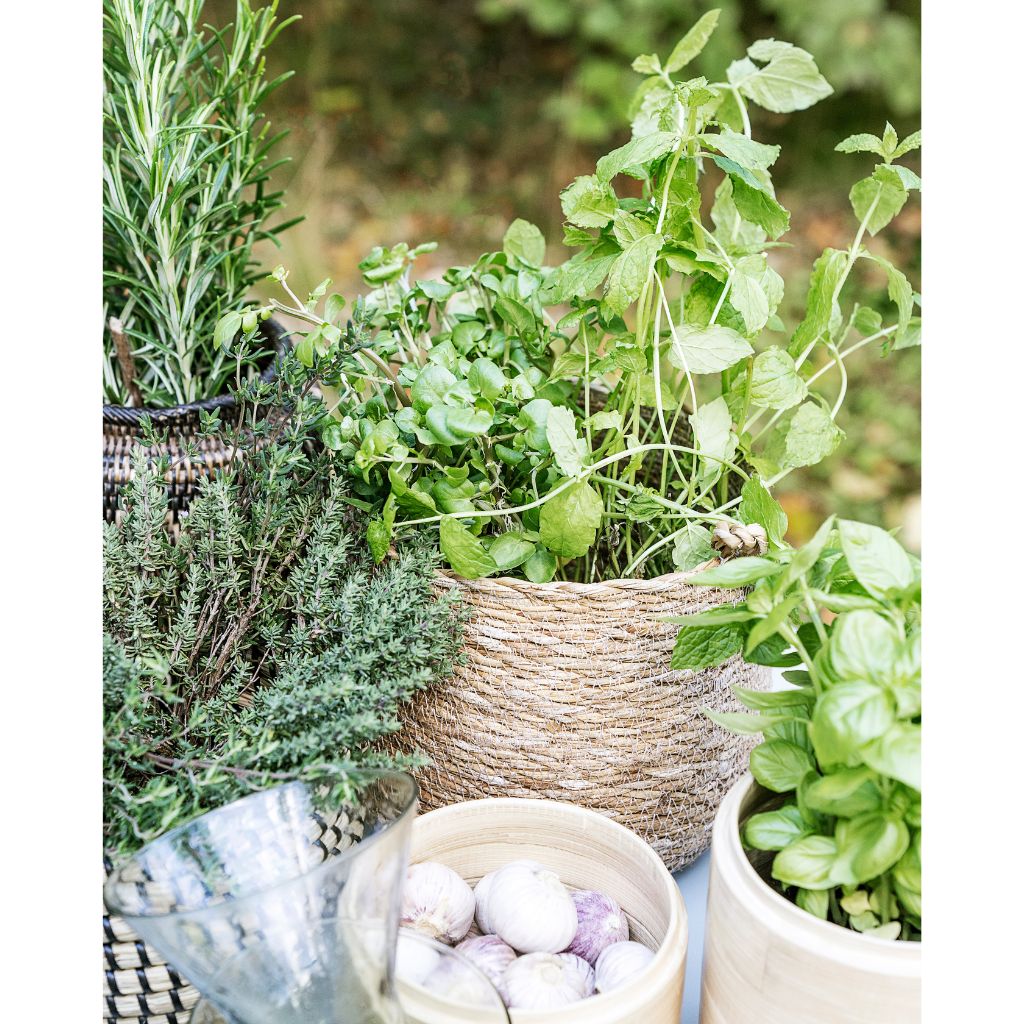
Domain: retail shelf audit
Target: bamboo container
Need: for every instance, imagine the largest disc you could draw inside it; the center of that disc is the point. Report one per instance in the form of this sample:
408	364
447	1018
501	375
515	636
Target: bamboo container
766	961
587	851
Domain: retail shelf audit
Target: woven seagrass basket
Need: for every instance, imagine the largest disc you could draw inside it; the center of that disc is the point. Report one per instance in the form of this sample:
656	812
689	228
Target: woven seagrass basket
566	693
122	429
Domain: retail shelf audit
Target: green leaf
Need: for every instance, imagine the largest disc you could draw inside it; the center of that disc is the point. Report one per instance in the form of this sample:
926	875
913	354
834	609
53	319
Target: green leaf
629	272
845	792
524	242
815	902
741	723
515	314
693	42
540	566
464	552
881	566
704	646
753	200
774	700
861	143
775	382
378	537
714	437
789	81
863	645
533	421
775	830
897	754
510	550
758	506
631	158
707	349
432	383
226	329
567	447
780	765
771	623
900	291
692	547
737	572
906	877
743	150
569	520
486	378
846	718
712	616
822	307
867	846
576	278
588	202
803	437
912	141
879	198
808	862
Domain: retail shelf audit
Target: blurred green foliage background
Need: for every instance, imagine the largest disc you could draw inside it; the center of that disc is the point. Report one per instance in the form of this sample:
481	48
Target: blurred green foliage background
422	120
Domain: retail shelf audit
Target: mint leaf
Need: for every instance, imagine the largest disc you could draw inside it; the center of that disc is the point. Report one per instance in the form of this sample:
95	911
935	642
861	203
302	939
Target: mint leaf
523	241
464	552
912	141
693	42
576	278
861	143
702	646
707	349
775	382
629	272
803	437
692	547
758	506
747	293
758	206
567	447
744	151
631	158
569	520
588	202
900	291
879	198
789	81
713	433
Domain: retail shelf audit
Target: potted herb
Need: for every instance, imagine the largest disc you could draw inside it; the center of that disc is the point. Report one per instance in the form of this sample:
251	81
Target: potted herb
578	437
259	646
187	157
816	858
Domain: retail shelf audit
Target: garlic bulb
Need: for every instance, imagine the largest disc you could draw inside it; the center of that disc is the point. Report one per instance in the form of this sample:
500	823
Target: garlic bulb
541	981
458	982
414	959
437	902
586	972
482	893
601	923
530	909
621	963
488	953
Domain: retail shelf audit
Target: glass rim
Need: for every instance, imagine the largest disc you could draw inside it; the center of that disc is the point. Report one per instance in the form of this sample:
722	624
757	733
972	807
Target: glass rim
369	774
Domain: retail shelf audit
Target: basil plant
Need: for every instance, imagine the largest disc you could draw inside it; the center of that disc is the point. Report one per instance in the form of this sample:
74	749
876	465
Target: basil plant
598	418
842	745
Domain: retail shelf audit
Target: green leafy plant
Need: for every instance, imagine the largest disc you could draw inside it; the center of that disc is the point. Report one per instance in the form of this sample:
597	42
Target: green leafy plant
261	644
550	432
842	745
186	196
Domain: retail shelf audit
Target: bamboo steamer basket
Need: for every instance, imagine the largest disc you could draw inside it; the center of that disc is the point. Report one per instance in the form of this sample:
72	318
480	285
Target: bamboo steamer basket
587	851
766	961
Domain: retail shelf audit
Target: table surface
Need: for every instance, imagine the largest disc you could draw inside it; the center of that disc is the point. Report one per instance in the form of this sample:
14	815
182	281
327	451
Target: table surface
693	884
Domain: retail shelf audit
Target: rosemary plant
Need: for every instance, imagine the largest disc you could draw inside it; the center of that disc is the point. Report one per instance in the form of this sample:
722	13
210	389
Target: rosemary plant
186	194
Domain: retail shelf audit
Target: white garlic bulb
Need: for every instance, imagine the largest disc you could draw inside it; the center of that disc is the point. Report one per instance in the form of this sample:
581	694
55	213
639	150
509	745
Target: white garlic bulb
437	902
541	981
482	893
530	909
586	972
414	959
621	963
488	953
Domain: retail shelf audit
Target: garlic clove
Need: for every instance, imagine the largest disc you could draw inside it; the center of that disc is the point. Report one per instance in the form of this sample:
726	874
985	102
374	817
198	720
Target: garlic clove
530	909
488	953
482	893
585	971
541	981
620	964
601	924
437	902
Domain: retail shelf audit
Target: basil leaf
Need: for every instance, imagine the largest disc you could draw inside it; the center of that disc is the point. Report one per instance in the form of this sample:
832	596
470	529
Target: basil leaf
867	846
897	754
775	830
780	765
738	572
847	717
808	862
881	566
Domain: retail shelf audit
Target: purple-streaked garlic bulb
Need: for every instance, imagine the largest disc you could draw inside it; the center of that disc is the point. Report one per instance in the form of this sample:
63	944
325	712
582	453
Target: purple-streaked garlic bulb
437	902
601	924
541	981
586	972
489	954
620	964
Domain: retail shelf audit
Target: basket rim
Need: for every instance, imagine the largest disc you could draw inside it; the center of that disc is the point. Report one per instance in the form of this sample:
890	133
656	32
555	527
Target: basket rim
131	415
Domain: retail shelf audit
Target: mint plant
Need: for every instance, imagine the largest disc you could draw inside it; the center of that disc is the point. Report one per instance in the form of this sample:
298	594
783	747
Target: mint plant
843	745
597	419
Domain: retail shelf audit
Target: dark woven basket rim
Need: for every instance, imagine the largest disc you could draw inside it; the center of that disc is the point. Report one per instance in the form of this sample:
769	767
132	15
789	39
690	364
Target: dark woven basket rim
130	415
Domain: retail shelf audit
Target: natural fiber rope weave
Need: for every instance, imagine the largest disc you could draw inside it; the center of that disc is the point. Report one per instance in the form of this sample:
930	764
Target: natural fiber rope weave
566	693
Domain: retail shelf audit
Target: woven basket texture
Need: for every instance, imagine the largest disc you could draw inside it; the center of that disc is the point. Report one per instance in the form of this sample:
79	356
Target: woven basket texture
566	693
122	428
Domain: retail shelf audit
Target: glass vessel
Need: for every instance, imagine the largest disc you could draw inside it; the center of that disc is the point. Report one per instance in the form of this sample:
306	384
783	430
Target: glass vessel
282	906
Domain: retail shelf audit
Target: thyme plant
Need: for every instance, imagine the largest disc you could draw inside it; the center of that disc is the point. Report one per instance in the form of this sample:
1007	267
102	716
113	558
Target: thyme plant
262	644
186	195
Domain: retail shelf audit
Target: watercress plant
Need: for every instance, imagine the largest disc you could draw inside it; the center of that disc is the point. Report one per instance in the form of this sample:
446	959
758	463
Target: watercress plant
843	745
597	419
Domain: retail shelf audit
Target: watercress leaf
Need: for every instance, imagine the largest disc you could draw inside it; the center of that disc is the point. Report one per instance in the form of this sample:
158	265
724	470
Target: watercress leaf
692	547
515	314
629	272
464	552
533	420
693	42
881	566
822	307
876	200
540	566
868	846
780	765
463	423
758	506
430	387
567	447
861	143
737	572
911	142
808	862
635	154
844	792
707	349
588	202
775	381
743	150
378	538
703	646
775	830
510	550
569	520
524	242
897	753
847	717
803	437
715	440
789	81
